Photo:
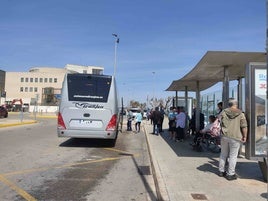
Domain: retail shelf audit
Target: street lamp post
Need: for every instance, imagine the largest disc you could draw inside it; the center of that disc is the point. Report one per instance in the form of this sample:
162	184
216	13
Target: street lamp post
115	50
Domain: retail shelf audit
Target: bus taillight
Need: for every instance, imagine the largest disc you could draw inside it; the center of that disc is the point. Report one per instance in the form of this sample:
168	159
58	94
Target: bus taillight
61	125
112	123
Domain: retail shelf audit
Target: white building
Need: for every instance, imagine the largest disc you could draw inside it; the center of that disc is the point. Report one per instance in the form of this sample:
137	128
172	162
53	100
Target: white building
39	86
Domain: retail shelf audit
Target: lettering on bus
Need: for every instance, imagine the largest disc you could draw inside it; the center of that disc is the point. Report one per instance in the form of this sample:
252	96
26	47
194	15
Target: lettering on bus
88	105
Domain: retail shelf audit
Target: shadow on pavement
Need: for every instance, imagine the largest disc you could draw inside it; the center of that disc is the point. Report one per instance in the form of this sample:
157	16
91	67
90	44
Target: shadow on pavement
184	149
246	169
85	142
264	195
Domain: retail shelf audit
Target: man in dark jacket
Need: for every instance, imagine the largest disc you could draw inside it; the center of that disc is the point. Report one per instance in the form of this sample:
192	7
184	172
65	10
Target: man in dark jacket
156	117
193	122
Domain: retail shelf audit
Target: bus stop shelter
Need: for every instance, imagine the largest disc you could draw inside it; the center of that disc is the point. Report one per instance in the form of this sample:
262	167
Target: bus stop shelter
215	67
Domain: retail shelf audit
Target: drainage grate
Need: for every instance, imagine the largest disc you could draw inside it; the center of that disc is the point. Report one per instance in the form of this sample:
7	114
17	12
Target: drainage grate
197	196
144	170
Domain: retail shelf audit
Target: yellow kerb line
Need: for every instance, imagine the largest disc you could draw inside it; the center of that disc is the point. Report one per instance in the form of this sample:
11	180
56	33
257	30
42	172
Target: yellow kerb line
58	167
20	191
120	151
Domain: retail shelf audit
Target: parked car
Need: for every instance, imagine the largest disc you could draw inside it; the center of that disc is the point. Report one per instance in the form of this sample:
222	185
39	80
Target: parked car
3	112
134	111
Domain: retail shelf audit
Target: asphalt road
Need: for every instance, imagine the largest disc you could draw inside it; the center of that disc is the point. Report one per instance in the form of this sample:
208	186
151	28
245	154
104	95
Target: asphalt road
37	165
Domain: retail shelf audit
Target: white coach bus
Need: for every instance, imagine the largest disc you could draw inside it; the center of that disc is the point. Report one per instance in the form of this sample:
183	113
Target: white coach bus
89	107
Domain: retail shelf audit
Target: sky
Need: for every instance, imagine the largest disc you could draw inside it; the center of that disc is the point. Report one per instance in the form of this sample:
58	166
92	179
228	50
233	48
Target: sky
159	40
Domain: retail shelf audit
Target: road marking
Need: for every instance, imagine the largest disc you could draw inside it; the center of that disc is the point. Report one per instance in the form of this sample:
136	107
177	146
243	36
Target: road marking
26	195
20	191
59	167
123	152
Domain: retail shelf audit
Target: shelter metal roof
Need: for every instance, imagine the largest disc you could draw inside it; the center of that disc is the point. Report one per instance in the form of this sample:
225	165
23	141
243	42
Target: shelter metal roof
210	69
180	85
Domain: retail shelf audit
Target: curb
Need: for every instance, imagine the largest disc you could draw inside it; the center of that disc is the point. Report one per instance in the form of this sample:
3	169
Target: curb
17	124
44	116
161	191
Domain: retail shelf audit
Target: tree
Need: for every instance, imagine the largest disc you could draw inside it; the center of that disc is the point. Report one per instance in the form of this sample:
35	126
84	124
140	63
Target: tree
137	104
154	102
134	103
165	103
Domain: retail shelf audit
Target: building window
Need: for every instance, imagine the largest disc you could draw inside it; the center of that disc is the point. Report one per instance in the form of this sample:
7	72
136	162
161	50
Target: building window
45	80
31	89
31	79
22	79
26	89
35	89
84	71
55	80
50	80
40	79
97	71
26	79
21	89
36	79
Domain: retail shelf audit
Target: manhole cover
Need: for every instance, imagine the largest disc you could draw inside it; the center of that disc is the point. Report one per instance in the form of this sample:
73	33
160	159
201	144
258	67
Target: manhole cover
198	196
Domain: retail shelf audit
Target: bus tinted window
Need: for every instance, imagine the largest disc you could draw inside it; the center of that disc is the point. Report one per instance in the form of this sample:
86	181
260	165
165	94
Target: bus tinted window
88	88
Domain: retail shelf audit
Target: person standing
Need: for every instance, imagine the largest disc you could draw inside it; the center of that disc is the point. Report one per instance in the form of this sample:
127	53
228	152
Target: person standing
151	115
180	124
172	123
162	111
156	117
129	120
234	133
148	114
219	105
138	119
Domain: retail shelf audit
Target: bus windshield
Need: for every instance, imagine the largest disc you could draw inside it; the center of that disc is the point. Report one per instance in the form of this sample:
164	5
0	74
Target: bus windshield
88	88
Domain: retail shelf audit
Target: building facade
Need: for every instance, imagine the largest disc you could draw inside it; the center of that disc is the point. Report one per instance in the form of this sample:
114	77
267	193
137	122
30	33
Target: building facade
2	83
39	86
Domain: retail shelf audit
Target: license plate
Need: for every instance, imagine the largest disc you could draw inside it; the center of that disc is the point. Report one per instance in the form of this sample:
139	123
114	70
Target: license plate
86	123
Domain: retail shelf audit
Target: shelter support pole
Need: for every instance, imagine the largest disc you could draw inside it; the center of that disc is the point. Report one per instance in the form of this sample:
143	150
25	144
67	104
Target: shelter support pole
263	164
186	110
197	109
225	90
207	105
176	100
239	98
239	93
214	105
186	99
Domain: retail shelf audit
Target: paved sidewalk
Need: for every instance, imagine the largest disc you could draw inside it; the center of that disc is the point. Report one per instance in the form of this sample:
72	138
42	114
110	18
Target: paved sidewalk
186	175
